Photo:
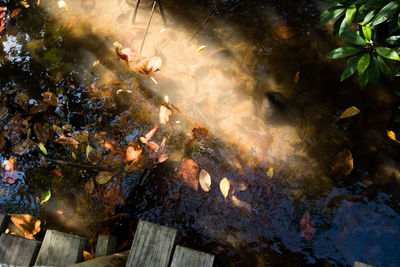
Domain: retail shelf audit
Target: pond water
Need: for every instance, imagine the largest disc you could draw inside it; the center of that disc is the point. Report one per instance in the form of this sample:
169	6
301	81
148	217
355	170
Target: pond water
258	105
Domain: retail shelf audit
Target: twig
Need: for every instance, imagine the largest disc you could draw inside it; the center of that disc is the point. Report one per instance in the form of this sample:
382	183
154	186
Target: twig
206	20
148	25
83	166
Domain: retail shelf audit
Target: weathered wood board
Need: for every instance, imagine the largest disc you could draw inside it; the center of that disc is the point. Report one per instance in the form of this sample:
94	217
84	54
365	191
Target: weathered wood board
152	245
59	249
18	250
106	245
360	264
3	221
189	257
113	260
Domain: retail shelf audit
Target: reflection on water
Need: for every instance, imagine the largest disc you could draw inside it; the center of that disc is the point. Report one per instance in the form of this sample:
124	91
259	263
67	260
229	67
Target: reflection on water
272	132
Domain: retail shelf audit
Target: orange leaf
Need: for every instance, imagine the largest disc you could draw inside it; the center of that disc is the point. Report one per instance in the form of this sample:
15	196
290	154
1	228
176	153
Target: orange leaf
162	158
87	256
27	224
190	171
132	154
392	136
307	226
9	165
164	114
57	172
15	12
297	77
150	134
60	212
64	140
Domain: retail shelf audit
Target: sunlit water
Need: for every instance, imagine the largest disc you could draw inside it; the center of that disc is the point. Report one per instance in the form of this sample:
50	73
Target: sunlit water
252	48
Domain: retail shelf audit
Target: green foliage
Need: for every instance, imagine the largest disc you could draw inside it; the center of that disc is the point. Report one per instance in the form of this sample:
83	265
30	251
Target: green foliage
372	30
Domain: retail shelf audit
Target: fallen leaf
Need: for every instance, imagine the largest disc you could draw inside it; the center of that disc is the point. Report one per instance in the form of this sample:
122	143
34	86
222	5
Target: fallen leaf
163	142
65	140
297	77
241	204
57	172
58	130
14	129
162	158
307	226
104	177
24	4
350	112
198	134
342	164
128	54
39	107
27	224
15	12
22	99
150	134
205	180
201	48
87	256
67	127
88	150
270	172
147	66
3	8
190	171
165	112
392	136
96	63
224	186
50	98
60	212
45	196
143	140
89	186
43	132
43	148
284	32
132	154
9	165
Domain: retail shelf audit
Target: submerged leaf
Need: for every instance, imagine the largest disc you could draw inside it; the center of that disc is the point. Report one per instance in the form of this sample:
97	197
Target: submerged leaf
343	164
50	98
190	171
165	112
45	197
104	177
132	154
15	12
297	77
43	148
64	140
27	224
350	112
224	186
241	204
270	172
89	186
147	66
205	180
307	226
162	158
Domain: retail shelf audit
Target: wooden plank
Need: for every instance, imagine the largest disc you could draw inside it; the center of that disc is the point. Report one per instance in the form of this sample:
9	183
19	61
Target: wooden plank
189	257
152	245
59	249
106	245
360	264
3	221
114	260
17	250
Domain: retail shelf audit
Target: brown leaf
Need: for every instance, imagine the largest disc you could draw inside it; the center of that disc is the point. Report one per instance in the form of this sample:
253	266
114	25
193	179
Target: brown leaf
165	112
50	98
27	224
297	77
21	99
342	165
41	106
162	158
284	32
147	66
150	134
15	129
65	140
132	154
198	133
43	132
15	12
89	186
190	171
307	226
104	177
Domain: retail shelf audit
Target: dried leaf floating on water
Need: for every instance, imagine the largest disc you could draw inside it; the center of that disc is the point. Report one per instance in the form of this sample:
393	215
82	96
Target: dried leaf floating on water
190	171
27	224
205	180
392	136
307	226
349	112
147	66
104	177
15	12
162	158
224	186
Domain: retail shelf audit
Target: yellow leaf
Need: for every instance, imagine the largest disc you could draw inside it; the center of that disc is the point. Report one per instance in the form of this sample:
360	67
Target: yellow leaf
224	186
392	136
350	112
201	48
87	256
143	140
96	63
205	180
270	172
88	150
43	148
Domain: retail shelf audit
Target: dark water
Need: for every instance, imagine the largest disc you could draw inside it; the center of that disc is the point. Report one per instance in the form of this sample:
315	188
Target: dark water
264	44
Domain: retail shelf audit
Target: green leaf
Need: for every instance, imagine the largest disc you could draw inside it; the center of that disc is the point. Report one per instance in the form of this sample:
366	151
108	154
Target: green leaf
385	13
398	21
351	68
344	51
350	13
353	38
374	71
393	39
385	67
43	148
388	53
363	63
363	79
397	74
337	25
330	14
369	16
366	29
45	197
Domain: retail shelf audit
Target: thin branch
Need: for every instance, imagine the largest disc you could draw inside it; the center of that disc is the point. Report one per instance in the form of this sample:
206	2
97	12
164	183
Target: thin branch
148	25
83	166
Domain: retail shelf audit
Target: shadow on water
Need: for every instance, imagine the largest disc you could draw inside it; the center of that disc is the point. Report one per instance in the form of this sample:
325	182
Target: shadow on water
266	43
